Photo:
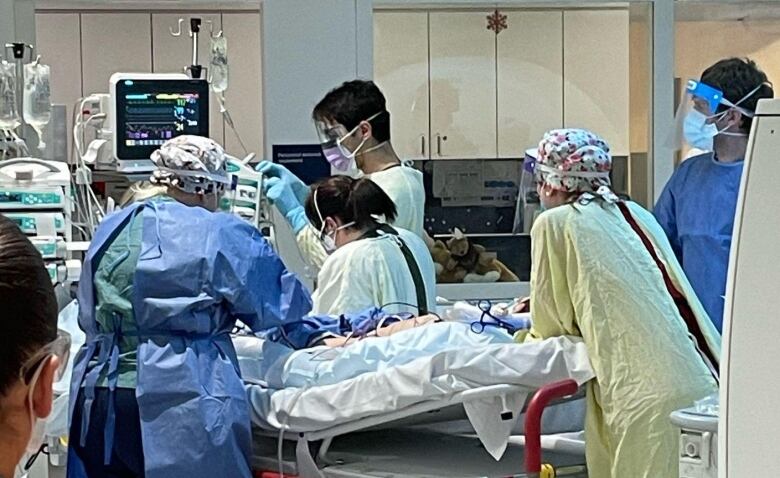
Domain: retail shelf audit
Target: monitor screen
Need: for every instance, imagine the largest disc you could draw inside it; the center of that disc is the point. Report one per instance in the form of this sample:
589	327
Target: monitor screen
150	112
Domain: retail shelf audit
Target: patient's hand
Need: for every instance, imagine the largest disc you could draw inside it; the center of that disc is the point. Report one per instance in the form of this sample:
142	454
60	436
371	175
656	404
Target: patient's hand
522	307
386	331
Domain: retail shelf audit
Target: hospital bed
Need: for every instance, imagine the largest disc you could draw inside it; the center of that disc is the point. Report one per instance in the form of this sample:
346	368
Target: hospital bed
393	450
376	423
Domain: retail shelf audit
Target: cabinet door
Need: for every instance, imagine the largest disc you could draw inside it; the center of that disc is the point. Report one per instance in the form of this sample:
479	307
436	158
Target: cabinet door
245	93
463	86
172	54
57	38
401	72
530	80
596	94
111	43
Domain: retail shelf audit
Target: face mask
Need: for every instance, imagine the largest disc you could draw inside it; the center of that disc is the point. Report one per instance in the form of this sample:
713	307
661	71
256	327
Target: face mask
328	240
336	158
698	133
339	156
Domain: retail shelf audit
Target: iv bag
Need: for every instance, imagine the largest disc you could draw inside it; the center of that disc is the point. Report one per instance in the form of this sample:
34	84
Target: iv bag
37	98
9	115
218	65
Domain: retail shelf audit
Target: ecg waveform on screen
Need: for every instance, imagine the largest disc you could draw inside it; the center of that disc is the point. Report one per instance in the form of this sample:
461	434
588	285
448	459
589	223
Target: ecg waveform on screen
152	119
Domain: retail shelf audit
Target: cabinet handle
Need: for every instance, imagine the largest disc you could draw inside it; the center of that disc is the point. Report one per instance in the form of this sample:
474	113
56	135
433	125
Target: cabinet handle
438	144
422	145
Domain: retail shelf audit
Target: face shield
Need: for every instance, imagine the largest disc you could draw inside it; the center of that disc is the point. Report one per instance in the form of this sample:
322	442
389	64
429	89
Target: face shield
331	140
528	191
527	206
59	347
698	119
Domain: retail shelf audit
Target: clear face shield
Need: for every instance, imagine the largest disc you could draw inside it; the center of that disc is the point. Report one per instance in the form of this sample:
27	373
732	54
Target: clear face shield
528	205
698	119
332	136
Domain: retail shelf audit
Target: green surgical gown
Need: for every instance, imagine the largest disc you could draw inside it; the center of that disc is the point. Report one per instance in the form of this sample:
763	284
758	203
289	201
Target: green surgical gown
592	277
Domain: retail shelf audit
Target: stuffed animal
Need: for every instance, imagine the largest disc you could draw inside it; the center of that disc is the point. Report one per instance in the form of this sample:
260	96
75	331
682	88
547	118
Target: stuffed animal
447	271
460	260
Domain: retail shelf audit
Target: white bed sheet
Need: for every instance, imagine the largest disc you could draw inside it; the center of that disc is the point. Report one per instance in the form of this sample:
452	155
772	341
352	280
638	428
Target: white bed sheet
435	375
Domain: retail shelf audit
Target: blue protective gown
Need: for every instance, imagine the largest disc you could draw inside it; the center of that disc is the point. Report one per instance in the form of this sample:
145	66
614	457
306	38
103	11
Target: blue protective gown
197	273
696	210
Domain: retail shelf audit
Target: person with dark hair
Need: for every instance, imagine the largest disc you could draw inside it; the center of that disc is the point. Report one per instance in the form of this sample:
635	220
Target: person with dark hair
370	264
698	204
156	390
33	353
354	130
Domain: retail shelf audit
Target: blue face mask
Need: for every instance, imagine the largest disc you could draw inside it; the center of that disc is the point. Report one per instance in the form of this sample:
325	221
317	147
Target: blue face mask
698	133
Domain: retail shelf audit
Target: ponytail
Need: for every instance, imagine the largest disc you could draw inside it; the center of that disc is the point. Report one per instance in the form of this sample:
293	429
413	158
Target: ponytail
360	201
368	200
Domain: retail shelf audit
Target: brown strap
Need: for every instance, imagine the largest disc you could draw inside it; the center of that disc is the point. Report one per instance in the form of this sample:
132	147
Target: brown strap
679	299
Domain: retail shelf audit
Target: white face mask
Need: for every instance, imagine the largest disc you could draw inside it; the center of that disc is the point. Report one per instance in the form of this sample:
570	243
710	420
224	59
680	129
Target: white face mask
328	239
698	133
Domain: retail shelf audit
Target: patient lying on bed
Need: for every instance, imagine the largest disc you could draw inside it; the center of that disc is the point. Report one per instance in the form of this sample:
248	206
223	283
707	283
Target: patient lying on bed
344	329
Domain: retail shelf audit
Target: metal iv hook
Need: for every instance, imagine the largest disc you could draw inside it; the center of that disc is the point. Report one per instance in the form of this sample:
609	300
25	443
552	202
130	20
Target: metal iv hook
177	33
211	30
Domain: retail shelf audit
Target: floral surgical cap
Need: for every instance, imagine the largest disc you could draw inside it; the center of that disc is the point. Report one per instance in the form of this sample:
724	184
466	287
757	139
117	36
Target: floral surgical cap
193	164
573	160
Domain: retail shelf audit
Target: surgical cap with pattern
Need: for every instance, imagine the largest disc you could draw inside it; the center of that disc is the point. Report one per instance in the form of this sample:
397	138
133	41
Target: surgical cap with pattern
193	164
573	160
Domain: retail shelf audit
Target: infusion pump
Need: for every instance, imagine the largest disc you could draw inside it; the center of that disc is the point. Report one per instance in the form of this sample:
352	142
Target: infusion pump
245	197
35	194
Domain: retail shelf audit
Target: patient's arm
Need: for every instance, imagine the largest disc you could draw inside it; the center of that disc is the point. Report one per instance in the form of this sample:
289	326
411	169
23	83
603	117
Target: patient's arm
386	331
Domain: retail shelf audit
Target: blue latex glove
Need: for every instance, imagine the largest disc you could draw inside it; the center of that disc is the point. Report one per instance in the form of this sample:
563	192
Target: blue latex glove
281	194
271	170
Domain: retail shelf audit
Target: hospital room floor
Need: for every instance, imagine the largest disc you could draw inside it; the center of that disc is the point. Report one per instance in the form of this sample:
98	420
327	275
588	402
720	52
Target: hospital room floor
407	453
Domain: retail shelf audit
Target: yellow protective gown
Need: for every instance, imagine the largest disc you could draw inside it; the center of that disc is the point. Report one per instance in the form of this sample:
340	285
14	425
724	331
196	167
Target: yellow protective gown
592	277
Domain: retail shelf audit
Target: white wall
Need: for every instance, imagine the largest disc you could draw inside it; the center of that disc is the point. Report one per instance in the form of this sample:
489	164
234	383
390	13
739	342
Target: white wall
308	48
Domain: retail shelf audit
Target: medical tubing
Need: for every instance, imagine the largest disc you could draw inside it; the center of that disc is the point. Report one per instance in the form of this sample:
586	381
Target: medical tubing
533	420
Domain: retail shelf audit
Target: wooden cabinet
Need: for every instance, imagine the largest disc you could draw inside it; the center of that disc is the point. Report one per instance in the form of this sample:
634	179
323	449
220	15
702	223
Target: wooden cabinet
530	80
401	72
596	74
172	54
114	42
462	85
494	95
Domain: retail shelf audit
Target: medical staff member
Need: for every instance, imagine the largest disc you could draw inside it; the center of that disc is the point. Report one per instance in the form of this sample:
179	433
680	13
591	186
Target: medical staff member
156	391
370	264
698	204
353	125
599	271
32	352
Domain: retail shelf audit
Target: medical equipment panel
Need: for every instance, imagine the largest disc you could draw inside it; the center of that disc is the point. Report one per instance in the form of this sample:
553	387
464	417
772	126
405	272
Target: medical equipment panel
34	198
35	194
33	223
149	109
245	197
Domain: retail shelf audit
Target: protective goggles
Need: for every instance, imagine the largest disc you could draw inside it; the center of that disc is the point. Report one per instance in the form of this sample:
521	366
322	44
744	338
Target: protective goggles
59	347
331	136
